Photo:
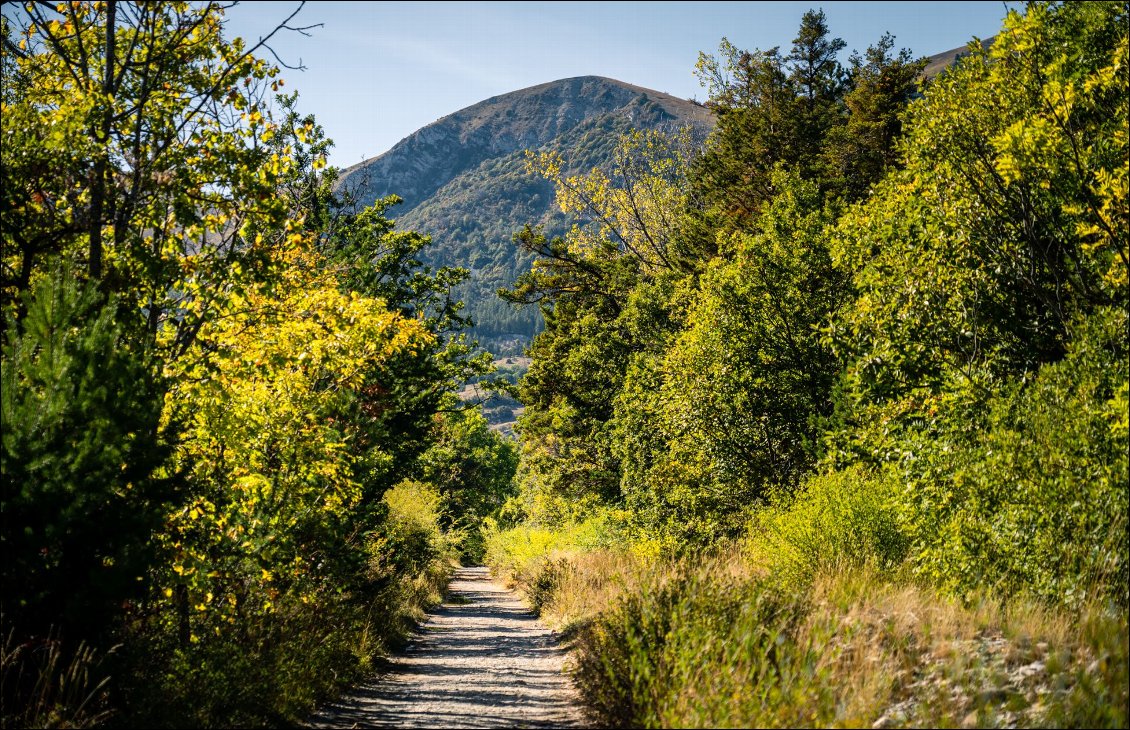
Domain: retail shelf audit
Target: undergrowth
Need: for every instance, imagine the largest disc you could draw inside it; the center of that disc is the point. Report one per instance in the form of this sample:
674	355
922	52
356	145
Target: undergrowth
815	618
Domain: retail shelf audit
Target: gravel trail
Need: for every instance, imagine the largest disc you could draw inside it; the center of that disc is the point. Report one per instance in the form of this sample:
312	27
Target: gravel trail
481	661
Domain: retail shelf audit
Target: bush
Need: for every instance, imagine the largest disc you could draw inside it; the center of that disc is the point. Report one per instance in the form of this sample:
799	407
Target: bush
269	670
1034	497
413	559
519	554
411	538
547	582
838	520
273	666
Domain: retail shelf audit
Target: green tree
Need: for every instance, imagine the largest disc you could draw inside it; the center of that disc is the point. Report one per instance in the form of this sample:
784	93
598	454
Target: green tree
82	458
625	234
741	393
134	147
288	349
818	81
473	469
756	128
366	254
984	346
1008	222
772	109
859	153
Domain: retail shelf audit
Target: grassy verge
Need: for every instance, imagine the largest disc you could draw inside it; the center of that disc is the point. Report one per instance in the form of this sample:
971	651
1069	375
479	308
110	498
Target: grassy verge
813	620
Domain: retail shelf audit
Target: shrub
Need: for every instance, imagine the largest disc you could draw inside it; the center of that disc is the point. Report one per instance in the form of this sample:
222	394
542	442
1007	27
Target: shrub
310	645
81	455
1033	498
837	520
411	537
519	554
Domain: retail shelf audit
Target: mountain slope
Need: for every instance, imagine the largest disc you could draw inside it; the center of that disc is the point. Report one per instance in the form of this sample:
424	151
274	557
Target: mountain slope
464	182
939	62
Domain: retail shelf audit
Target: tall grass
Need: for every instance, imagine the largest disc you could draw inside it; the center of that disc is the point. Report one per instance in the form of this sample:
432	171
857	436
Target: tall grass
717	643
45	684
814	619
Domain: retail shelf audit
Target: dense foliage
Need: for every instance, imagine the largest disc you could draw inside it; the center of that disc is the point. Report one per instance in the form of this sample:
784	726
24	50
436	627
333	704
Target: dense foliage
828	423
872	355
858	270
229	409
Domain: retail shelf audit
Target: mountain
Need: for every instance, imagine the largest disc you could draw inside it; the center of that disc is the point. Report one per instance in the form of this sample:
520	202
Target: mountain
941	61
463	179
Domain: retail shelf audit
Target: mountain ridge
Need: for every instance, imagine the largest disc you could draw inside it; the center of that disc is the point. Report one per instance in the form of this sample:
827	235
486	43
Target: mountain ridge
463	179
480	122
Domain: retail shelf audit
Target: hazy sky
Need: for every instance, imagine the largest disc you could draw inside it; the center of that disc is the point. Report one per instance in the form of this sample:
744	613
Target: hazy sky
378	71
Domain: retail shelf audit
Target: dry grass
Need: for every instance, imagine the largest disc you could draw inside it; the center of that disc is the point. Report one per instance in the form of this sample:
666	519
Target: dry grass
590	582
714	642
44	685
797	626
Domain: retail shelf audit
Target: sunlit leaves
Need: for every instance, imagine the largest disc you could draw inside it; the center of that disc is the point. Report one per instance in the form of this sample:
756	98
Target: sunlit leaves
624	237
974	261
984	348
630	209
131	163
266	425
734	404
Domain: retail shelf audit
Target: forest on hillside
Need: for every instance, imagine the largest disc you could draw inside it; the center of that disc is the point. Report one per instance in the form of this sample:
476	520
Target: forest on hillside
828	423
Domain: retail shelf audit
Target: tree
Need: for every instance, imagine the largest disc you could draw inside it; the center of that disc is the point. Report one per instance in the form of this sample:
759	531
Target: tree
772	109
730	411
361	249
859	153
280	492
755	104
985	346
625	234
473	468
1008	223
134	146
83	489
242	334
818	81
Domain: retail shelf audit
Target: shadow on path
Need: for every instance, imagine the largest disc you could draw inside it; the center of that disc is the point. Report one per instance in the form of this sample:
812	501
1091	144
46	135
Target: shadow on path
485	663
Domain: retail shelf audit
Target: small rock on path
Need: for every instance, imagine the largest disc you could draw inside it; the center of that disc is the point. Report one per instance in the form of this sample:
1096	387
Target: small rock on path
485	663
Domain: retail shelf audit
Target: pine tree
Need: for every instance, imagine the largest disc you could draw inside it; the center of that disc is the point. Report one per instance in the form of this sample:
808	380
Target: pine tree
81	462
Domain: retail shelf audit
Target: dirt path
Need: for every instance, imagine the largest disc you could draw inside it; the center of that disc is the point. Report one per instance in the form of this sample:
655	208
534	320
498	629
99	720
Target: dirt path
484	663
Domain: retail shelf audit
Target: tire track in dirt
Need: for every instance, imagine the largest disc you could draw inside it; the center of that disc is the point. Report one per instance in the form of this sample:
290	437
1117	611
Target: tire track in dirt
481	661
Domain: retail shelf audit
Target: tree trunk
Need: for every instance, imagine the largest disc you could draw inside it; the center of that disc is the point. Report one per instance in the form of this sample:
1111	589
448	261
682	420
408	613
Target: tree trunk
102	168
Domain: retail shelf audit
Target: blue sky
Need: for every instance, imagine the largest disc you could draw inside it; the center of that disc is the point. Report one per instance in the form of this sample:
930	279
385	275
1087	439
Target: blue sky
378	71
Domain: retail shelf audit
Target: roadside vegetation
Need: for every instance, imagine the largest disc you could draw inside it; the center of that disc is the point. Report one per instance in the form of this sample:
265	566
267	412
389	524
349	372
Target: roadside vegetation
828	423
235	468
